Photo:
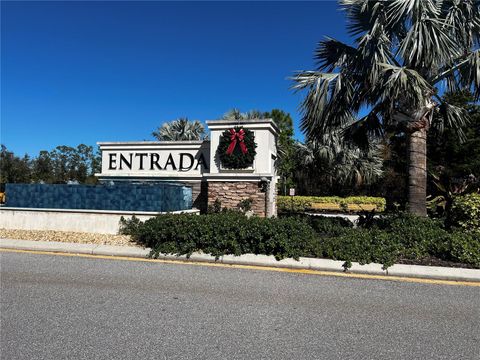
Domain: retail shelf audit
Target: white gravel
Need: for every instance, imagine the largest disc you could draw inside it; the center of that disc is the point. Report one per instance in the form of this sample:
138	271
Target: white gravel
66	236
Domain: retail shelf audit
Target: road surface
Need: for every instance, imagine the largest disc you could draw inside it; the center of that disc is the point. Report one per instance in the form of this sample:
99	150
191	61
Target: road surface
59	307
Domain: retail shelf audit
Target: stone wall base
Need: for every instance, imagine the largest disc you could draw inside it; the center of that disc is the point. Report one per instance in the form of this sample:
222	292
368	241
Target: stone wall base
231	193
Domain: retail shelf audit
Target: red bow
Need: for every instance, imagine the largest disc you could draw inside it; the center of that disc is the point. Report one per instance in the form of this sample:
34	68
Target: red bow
234	137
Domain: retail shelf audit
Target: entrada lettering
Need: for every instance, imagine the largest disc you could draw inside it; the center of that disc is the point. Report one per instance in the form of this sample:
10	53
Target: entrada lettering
156	161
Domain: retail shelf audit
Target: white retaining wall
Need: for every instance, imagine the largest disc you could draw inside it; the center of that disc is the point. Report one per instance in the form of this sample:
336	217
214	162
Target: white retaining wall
91	221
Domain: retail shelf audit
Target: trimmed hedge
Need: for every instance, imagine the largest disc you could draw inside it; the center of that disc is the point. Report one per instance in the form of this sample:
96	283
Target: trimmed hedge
402	236
388	248
465	248
386	240
222	234
305	203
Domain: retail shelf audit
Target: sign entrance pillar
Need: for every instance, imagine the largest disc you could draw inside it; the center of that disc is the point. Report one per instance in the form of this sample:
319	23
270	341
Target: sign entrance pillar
256	182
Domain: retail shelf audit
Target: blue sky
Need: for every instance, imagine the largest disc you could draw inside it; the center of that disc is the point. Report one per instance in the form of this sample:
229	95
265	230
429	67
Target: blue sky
82	72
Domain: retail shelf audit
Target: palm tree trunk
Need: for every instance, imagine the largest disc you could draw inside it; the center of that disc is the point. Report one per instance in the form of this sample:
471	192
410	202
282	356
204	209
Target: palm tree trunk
417	172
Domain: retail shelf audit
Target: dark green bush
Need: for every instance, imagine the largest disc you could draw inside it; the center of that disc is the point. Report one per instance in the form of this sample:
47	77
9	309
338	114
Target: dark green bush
398	236
245	204
222	234
386	240
418	236
465	248
330	226
363	246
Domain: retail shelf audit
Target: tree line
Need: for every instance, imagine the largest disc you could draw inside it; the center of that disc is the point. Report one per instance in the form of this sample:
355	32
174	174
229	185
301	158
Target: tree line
58	166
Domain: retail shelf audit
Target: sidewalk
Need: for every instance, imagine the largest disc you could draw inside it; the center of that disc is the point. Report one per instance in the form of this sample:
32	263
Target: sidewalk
415	271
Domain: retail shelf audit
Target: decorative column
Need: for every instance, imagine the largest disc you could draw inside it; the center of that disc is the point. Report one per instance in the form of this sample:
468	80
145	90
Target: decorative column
242	164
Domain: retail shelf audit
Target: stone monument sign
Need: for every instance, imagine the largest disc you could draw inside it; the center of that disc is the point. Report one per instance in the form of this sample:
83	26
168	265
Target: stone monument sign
237	163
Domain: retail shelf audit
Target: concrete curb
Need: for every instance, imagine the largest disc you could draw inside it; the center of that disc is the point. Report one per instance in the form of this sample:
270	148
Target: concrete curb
414	271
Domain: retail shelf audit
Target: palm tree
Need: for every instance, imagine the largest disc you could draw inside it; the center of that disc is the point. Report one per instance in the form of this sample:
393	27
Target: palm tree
336	161
236	114
180	130
404	53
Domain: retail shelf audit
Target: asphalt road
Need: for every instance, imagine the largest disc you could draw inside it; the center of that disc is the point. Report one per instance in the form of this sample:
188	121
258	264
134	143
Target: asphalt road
56	307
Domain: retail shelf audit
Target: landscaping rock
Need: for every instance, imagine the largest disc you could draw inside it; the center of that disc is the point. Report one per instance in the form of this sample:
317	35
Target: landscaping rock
67	236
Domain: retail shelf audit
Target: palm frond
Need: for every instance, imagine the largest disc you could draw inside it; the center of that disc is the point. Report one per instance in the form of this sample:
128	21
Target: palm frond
332	54
340	161
363	131
428	45
463	19
233	114
452	117
469	73
362	14
404	85
236	114
412	10
315	103
374	48
180	129
462	73
254	114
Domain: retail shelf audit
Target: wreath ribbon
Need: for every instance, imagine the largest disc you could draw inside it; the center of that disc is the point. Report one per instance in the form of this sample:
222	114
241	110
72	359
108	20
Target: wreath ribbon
237	137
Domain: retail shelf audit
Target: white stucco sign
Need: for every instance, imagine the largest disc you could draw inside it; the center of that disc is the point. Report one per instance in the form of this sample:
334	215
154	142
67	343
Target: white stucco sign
188	159
171	159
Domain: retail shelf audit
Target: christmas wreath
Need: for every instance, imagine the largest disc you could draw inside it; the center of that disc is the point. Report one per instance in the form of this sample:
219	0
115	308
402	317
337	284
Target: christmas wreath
237	148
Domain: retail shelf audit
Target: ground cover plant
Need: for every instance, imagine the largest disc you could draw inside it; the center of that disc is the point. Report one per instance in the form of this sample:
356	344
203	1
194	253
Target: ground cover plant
295	204
387	240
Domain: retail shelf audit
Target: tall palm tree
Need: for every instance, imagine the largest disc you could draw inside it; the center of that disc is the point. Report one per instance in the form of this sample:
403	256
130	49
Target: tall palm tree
180	130
405	52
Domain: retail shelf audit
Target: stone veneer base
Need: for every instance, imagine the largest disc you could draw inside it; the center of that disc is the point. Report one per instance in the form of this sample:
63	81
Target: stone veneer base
231	193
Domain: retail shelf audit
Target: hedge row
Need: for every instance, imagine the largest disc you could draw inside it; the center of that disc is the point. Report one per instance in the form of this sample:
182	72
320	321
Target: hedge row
399	237
223	233
386	240
305	203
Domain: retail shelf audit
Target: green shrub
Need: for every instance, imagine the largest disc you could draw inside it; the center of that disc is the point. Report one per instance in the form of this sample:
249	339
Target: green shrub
293	204
222	234
466	212
418	236
391	238
363	246
465	247
386	240
216	207
330	226
304	203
